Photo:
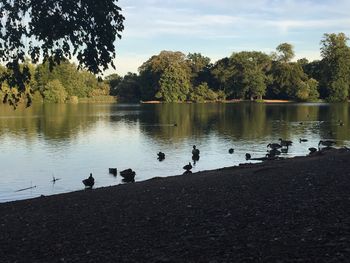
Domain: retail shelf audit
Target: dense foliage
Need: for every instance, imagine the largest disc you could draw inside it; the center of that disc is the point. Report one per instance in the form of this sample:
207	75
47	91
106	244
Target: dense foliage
176	77
63	83
55	30
173	76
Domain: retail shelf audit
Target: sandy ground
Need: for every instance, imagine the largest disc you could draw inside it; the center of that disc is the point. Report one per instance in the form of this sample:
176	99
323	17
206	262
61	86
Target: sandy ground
295	210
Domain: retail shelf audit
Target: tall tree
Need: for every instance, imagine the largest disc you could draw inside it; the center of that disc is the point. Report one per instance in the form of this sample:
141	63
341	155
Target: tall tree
285	52
174	84
336	66
153	69
54	30
249	77
200	68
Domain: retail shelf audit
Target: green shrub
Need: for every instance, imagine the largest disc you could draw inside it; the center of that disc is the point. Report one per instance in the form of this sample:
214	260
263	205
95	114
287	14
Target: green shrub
55	92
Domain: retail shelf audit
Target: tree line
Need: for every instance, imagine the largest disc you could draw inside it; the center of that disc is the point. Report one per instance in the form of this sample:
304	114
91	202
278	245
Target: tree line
59	84
176	77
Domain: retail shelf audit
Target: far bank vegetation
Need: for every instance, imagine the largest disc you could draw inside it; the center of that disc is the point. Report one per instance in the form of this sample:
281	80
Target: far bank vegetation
175	77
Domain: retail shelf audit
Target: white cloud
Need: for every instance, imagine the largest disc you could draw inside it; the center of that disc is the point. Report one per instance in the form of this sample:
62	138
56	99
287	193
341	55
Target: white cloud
222	26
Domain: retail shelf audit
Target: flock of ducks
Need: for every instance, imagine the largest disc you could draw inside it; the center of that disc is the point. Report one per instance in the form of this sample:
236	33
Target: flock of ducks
273	152
128	177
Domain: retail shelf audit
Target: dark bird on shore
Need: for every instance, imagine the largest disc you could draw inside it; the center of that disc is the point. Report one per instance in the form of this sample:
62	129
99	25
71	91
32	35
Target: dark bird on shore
187	167
274	145
274	152
161	156
285	142
248	156
195	151
302	140
128	175
89	182
312	150
113	171
231	151
54	179
326	143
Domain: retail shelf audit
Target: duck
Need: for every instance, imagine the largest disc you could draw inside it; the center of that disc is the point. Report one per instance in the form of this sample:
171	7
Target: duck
248	156
302	140
195	151
113	171
187	167
326	143
54	179
128	175
341	123
285	142
161	156
89	182
312	150
274	152
195	158
274	145
231	151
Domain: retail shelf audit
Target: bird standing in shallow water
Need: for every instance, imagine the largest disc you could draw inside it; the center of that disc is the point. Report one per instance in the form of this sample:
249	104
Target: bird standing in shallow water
89	182
161	156
195	151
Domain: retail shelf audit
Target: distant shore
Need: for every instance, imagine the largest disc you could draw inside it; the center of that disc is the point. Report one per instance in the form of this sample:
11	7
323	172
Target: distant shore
222	101
295	210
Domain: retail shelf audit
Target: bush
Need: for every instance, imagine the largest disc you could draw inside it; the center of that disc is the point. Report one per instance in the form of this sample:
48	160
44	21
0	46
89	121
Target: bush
55	92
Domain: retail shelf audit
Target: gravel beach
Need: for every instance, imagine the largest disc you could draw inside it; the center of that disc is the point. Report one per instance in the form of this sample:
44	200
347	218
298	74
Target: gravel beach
293	210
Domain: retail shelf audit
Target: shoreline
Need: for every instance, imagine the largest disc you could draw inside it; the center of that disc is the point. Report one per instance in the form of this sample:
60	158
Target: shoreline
296	209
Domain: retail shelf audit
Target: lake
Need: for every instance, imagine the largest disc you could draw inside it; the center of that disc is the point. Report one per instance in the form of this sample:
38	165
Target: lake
70	141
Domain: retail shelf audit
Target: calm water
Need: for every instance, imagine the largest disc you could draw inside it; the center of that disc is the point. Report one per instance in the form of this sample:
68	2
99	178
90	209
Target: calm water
70	141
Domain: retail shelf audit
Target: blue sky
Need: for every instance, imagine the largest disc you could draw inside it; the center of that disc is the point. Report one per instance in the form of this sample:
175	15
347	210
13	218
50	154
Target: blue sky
218	28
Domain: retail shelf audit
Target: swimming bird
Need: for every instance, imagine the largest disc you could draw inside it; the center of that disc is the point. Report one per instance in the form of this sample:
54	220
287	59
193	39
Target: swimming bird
341	123
187	167
302	140
54	179
274	145
161	156
231	150
326	143
248	156
285	142
89	182
195	151
113	171
128	175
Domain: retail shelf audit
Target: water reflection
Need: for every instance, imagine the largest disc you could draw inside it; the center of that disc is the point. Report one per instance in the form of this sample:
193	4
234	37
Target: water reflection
70	141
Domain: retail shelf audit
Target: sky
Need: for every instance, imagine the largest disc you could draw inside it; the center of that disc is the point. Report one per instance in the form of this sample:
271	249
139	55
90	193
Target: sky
218	28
